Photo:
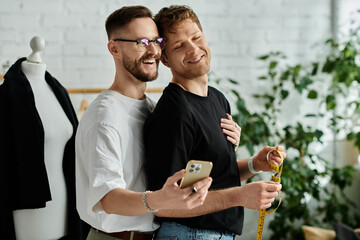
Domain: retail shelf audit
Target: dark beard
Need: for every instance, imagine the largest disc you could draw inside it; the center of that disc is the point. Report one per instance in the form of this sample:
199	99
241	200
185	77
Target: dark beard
135	70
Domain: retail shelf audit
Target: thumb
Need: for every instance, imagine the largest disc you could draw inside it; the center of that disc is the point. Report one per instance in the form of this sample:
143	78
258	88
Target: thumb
280	148
176	177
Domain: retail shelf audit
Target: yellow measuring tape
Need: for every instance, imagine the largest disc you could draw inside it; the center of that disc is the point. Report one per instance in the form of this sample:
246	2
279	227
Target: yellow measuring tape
277	170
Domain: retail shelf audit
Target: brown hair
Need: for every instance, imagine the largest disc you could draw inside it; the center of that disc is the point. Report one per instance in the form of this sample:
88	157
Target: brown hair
123	16
168	16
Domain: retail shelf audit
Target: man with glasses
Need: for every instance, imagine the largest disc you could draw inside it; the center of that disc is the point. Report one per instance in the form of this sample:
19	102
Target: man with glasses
184	126
110	182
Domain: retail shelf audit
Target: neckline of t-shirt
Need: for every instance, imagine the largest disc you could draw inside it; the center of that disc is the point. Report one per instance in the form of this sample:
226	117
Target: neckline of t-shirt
129	100
190	93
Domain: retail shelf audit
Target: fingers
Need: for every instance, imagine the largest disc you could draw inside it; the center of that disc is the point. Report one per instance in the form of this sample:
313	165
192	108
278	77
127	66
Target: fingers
265	206
274	156
228	116
176	177
275	159
196	199
231	129
203	184
229	124
280	148
175	197
231	136
271	187
200	186
269	196
260	195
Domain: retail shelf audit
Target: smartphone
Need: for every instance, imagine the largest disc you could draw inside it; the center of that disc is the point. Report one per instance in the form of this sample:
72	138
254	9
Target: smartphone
195	170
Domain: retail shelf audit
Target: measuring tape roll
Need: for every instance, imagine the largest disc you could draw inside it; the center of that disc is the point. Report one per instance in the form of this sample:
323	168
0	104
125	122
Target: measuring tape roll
276	177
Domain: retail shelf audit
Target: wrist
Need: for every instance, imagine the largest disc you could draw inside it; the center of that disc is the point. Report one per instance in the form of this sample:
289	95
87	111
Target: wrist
251	166
236	196
226	198
149	201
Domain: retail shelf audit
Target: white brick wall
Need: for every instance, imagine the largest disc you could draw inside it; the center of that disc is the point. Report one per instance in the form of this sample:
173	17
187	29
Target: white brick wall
238	31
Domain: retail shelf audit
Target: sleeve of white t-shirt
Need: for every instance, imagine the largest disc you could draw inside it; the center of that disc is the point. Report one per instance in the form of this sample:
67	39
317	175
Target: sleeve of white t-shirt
105	168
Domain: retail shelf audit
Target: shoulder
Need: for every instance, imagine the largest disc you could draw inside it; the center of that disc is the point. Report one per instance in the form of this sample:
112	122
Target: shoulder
216	92
172	94
105	109
172	104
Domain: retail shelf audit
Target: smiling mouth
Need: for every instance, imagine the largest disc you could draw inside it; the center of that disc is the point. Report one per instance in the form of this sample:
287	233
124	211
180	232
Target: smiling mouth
149	61
196	60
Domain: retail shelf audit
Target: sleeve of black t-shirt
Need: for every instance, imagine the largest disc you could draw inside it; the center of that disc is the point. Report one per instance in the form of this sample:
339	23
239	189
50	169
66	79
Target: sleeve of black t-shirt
168	142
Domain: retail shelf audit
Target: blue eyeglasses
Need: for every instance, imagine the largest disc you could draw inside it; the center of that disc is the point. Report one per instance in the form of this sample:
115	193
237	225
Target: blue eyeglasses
144	43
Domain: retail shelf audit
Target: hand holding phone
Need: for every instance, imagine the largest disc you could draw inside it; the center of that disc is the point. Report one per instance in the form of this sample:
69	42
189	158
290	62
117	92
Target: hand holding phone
196	170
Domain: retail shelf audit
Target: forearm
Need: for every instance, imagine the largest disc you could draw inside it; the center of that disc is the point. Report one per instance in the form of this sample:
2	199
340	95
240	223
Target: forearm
244	169
128	203
170	196
215	201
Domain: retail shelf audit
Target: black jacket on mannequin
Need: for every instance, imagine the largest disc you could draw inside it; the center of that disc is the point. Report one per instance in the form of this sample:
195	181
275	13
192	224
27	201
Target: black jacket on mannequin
23	178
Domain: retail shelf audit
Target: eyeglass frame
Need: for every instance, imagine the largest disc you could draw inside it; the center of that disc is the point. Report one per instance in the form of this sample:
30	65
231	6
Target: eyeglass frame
138	41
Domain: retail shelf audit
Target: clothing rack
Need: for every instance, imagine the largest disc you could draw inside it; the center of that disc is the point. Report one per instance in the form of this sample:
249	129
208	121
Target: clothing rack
99	90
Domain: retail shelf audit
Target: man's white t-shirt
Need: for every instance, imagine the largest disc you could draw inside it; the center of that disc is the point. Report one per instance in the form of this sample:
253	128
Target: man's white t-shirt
110	154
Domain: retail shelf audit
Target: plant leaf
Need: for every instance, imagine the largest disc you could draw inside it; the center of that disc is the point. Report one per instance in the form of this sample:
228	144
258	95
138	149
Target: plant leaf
312	94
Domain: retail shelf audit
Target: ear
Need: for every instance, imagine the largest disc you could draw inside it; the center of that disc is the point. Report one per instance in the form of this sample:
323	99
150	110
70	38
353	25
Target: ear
164	59
113	49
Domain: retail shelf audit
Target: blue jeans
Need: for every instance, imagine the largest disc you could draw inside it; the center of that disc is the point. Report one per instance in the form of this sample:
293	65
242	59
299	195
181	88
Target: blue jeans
175	231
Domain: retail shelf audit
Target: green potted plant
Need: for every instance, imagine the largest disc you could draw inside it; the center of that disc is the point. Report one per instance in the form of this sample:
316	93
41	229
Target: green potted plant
313	188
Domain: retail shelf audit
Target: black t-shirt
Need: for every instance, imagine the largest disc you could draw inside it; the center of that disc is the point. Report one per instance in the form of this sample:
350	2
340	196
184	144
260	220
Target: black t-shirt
186	126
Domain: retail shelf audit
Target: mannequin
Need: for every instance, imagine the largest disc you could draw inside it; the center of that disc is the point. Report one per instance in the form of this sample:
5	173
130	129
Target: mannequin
49	222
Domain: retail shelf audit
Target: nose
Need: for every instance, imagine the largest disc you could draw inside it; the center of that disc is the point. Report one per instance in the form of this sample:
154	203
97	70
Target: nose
191	48
152	49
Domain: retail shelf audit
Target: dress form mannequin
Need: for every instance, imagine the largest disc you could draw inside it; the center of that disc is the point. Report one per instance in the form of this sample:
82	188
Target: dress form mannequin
49	222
